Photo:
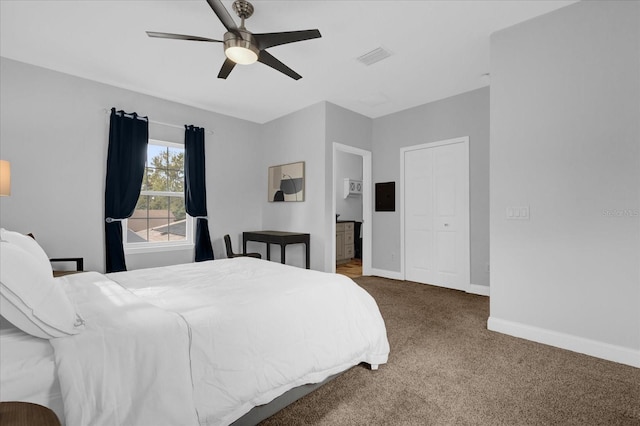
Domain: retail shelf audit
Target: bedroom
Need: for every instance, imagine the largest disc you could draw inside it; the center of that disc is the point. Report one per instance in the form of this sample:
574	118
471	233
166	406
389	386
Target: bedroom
589	302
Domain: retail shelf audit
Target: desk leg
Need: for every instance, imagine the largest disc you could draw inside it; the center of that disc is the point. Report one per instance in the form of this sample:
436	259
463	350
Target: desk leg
268	251
308	250
282	252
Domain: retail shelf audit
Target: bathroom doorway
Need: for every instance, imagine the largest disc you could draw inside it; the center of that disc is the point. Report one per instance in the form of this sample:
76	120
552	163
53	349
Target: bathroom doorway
352	210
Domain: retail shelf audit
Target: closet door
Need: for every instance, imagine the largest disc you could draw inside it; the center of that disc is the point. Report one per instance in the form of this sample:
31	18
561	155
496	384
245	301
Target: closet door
436	214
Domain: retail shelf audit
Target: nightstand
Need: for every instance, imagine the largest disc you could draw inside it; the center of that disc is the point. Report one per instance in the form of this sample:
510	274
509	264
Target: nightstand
79	265
26	414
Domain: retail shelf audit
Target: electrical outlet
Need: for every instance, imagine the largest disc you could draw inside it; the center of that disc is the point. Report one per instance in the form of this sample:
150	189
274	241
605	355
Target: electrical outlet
488	268
393	256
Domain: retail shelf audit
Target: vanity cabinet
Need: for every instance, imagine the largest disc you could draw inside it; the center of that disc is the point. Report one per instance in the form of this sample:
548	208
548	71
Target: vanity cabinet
344	241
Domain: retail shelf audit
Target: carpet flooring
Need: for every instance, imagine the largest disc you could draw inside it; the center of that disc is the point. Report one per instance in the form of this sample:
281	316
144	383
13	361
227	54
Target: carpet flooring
446	368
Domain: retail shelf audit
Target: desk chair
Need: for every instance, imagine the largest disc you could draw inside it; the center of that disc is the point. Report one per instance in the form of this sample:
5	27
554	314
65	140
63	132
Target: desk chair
231	254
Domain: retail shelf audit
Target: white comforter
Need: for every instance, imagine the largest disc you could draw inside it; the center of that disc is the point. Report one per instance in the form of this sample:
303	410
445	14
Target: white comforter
130	366
256	330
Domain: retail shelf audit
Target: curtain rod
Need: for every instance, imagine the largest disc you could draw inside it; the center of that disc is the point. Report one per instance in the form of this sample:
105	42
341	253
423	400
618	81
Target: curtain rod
108	112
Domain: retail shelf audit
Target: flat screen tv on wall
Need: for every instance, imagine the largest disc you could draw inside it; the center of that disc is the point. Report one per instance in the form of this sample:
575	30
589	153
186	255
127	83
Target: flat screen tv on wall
386	197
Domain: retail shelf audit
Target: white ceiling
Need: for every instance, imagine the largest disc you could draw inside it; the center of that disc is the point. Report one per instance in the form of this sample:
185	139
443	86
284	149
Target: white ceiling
440	48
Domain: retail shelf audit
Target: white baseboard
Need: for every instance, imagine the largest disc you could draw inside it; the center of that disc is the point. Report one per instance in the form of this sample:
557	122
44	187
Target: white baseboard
394	275
482	290
581	345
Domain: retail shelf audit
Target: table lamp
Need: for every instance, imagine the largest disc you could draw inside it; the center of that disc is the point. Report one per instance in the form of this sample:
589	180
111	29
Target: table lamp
5	178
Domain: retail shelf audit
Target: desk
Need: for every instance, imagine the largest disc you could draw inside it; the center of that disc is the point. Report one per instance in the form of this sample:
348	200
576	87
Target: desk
277	237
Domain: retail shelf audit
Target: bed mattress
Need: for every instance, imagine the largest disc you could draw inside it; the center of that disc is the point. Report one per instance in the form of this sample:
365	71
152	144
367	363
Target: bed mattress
27	369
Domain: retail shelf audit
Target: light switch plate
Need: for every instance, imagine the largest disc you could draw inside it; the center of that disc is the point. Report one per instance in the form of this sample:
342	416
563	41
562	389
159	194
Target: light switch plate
517	213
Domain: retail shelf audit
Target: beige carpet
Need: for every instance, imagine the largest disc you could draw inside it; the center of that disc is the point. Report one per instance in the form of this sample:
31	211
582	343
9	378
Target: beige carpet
446	368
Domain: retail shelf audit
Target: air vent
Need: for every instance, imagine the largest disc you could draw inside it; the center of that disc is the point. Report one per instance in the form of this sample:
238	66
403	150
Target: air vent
375	99
376	55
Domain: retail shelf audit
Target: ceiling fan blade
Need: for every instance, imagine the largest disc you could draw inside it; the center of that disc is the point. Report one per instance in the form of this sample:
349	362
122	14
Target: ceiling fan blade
180	37
226	68
267	40
268	59
223	15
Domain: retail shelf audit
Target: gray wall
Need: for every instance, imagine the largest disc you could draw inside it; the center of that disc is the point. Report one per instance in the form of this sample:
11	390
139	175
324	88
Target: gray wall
60	162
347	128
72	131
308	135
462	115
54	131
565	140
299	136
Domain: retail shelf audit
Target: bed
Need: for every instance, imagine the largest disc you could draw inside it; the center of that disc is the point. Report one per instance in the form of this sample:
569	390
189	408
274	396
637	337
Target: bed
194	344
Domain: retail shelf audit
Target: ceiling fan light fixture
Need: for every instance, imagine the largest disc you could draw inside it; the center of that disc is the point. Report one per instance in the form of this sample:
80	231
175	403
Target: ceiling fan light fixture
240	50
241	55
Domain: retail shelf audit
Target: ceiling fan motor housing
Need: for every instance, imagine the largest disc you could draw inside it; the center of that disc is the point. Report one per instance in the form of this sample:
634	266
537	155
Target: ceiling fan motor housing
243	9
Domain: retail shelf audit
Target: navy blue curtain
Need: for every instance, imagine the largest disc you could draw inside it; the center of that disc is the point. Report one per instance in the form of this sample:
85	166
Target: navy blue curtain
128	138
195	193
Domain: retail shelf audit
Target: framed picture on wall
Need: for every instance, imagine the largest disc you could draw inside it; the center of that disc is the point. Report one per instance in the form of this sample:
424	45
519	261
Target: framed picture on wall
286	182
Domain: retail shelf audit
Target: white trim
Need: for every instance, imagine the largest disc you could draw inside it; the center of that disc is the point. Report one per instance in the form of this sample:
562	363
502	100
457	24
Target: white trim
394	275
166	143
482	290
570	342
403	150
150	246
366	206
157	247
162	194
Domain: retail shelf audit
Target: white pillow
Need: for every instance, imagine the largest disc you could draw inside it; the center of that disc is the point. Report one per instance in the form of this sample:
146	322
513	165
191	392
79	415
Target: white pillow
30	298
29	245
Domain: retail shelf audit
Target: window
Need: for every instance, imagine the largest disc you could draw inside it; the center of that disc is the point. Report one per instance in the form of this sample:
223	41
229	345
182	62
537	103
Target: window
160	220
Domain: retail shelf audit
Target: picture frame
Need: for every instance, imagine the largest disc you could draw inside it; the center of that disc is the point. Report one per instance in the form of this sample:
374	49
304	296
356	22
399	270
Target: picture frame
385	197
286	182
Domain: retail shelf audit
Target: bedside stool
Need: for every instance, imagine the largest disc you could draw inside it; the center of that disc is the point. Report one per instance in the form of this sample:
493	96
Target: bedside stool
26	414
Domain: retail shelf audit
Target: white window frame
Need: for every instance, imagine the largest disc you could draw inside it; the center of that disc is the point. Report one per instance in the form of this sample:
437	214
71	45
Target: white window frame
150	247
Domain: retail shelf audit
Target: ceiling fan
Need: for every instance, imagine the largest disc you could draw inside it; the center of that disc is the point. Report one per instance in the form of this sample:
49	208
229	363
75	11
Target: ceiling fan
242	46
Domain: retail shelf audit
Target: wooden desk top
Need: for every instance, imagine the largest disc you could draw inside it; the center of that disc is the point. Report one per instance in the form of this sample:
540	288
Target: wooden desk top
275	233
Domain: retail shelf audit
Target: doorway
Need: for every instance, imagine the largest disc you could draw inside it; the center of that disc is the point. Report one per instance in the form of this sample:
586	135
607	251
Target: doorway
435	218
364	231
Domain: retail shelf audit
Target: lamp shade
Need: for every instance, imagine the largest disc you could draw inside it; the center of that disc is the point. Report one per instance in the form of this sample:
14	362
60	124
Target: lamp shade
5	178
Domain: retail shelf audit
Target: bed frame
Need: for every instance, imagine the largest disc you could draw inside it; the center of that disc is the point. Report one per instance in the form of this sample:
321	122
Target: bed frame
262	412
